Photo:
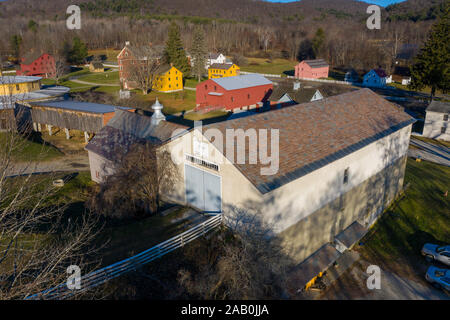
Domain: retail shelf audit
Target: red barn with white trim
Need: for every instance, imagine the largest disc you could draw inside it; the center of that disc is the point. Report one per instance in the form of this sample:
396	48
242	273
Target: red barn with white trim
230	93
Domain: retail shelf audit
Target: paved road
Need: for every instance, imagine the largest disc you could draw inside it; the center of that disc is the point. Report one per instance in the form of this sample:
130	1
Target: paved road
430	152
352	285
95	83
69	163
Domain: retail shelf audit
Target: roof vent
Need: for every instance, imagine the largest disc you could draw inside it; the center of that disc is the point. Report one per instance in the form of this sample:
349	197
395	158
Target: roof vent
157	116
296	85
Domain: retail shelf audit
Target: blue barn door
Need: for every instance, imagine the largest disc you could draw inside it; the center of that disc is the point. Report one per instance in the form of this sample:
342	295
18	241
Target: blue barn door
203	189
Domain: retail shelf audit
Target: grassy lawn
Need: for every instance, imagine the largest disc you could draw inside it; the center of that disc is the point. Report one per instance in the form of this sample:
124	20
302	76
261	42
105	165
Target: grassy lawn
276	66
192	82
126	240
194	116
104	77
31	149
111	54
173	102
420	216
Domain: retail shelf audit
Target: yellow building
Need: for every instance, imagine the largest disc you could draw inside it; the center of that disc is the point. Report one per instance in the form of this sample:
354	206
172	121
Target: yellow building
168	79
221	70
11	85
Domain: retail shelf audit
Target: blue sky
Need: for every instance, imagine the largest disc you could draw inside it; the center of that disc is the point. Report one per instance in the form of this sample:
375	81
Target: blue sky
382	3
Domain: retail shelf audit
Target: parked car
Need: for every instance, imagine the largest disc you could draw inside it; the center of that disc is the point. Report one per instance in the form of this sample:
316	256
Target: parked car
436	252
440	278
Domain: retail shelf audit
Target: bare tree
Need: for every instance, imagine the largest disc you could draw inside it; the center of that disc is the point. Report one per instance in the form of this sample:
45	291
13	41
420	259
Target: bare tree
143	72
140	177
61	68
250	266
37	244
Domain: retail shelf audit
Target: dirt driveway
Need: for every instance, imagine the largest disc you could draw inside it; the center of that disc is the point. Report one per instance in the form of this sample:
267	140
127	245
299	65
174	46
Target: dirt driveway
352	285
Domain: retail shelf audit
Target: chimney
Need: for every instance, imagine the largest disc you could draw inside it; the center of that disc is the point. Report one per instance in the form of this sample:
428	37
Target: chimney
127	43
157	116
296	85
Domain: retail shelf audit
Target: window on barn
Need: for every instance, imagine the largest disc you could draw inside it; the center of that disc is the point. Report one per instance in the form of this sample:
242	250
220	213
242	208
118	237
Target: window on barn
232	99
97	174
248	95
17	87
206	87
443	129
445	117
346	172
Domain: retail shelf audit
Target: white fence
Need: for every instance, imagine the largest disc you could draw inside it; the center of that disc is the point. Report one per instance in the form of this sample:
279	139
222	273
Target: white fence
115	270
305	79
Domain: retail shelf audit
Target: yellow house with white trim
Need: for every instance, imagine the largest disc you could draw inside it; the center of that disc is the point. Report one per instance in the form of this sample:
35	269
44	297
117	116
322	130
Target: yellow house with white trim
221	70
168	79
12	85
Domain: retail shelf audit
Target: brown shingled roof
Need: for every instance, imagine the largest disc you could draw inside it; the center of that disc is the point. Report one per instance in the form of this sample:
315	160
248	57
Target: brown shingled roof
317	133
146	51
223	66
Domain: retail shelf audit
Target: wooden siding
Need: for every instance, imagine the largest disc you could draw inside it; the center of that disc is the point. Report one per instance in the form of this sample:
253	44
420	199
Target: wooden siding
82	121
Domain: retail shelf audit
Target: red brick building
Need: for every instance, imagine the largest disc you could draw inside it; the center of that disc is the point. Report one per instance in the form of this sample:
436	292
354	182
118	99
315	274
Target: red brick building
312	69
39	65
230	93
135	55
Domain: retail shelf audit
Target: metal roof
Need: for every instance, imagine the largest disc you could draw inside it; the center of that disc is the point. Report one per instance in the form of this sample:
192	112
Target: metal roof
43	94
242	81
79	106
438	106
18	79
318	63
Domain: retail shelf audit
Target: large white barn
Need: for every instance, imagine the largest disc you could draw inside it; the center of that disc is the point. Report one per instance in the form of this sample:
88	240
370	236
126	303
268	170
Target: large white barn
340	162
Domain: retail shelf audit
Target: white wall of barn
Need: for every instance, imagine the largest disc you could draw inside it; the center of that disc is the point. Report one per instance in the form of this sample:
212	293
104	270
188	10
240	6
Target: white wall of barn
296	200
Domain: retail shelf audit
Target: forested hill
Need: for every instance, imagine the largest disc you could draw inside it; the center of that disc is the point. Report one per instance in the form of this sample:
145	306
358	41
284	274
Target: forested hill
247	11
416	10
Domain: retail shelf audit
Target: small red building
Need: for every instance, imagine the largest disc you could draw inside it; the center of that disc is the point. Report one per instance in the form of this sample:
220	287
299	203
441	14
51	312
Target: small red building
312	69
238	92
40	65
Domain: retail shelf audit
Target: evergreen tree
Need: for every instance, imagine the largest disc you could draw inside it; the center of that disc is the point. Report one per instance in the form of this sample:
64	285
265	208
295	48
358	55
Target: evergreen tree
174	52
318	41
15	43
198	53
32	25
78	53
431	66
